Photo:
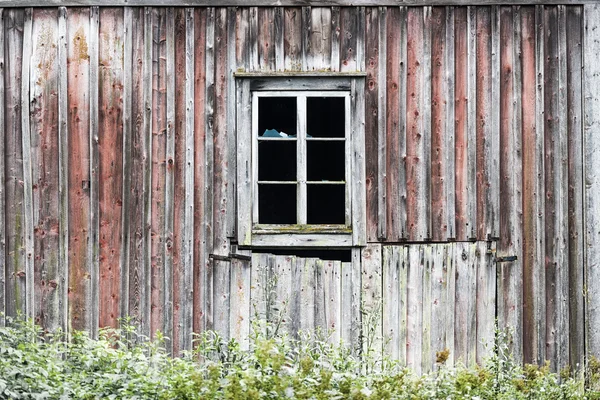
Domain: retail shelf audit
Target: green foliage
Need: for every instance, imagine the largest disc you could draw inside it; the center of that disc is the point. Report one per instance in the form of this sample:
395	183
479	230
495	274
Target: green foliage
123	365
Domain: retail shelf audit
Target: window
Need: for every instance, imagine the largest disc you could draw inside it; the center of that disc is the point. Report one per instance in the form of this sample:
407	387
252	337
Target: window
300	162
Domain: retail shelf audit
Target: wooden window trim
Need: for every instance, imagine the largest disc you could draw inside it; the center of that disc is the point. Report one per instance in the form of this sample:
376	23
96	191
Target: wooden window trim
251	234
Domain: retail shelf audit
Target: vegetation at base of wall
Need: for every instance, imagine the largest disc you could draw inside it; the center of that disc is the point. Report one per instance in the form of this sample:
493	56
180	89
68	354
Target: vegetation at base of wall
123	365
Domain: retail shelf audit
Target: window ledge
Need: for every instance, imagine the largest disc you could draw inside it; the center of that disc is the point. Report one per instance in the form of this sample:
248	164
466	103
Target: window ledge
291	74
300	229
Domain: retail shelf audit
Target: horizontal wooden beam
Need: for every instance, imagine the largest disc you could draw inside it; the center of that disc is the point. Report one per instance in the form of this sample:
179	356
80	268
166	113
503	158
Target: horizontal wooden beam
271	3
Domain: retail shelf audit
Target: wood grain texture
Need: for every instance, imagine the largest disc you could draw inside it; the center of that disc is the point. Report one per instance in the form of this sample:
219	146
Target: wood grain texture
201	252
28	206
292	33
510	286
110	153
591	125
533	195
556	188
44	149
574	61
78	74
373	121
395	129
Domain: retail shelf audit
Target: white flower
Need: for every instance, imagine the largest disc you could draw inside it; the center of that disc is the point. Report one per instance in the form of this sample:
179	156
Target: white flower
289	392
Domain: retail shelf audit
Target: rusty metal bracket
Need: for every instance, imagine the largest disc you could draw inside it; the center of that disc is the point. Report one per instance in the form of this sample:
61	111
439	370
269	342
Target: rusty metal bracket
506	259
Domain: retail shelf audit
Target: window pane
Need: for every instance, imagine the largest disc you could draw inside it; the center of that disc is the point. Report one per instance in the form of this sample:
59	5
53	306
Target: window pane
326	204
325	117
276	116
277	160
326	160
276	204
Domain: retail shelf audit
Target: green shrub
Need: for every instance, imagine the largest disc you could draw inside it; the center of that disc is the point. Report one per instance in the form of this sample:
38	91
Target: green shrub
122	365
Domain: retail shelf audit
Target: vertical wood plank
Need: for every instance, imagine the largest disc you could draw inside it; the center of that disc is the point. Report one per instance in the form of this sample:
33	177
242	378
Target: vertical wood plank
332	299
266	39
159	168
78	104
170	177
492	144
532	142
373	119
15	282
94	242
307	268
278	21
381	121
591	103
134	165
349	32
110	159
466	335
44	153
372	298
359	215
221	299
292	32
575	195
28	206
335	38
472	122
391	270
259	276
253	39
208	164
180	238
282	273
240	301
449	298
306	26
63	178
425	184
320	38
231	132
414	301
348	313
416	127
510	275
2	180
439	133
427	300
461	102
439	312
556	189
126	162
485	267
200	251
449	181
221	140
484	111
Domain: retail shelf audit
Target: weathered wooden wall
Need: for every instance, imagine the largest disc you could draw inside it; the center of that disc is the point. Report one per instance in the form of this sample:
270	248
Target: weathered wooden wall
118	174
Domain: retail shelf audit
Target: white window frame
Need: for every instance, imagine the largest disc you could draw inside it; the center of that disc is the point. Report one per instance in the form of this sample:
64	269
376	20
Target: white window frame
249	88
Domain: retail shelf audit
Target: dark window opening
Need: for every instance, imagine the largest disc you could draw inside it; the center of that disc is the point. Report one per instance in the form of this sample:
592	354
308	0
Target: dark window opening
326	160
330	255
326	204
277	160
325	117
277	204
277	113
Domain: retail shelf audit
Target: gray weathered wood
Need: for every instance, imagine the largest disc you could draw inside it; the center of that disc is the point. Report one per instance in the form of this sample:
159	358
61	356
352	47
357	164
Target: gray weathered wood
449	173
492	142
266	3
574	30
244	170
450	298
231	127
63	174
208	163
359	216
278	21
221	297
292	32
427	349
187	248
438	301
240	310
170	178
591	144
127	138
382	125
471	123
372	300
414	301
93	249
335	38
284	292
27	168
485	270
2	181
307	268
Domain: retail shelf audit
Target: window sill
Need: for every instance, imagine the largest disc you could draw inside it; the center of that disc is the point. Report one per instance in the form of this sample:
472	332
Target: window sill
300	229
301	240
